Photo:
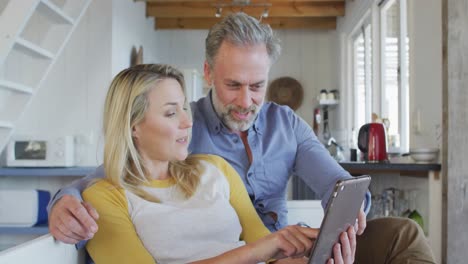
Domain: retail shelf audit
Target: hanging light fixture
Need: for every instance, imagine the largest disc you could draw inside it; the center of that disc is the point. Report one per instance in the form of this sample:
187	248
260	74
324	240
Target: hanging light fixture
242	4
218	12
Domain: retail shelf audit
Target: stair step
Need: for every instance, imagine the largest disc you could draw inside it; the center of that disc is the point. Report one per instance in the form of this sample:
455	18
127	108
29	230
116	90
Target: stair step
16	87
34	49
6	124
52	11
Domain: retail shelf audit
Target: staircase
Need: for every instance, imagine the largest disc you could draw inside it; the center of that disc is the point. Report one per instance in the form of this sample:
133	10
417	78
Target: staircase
32	36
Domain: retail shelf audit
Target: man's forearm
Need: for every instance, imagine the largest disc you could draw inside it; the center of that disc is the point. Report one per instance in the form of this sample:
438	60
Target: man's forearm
76	187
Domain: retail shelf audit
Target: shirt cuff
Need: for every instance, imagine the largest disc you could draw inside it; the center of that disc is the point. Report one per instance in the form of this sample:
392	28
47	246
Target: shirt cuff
70	191
367	202
81	244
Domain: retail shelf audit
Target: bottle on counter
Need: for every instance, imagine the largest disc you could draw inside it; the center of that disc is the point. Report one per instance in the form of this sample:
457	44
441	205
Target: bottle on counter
352	147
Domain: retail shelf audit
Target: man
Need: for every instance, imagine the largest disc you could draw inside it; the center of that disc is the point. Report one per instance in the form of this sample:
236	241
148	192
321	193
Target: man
264	142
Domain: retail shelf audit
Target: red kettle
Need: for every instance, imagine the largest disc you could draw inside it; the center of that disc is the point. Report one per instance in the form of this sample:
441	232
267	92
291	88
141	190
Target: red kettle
372	141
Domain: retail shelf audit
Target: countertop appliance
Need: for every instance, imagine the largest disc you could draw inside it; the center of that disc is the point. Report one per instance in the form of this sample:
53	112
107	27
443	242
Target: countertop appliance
41	151
372	142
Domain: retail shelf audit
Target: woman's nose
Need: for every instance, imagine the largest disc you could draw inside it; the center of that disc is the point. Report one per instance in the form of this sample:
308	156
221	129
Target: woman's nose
186	122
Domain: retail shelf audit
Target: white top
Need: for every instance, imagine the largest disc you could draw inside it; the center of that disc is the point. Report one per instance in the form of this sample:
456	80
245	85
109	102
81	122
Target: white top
176	230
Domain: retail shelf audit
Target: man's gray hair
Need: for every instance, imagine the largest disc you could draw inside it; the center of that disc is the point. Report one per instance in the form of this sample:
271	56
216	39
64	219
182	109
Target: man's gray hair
241	29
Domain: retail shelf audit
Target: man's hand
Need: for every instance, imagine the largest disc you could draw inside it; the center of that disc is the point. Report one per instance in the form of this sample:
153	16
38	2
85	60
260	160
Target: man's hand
345	250
71	221
361	222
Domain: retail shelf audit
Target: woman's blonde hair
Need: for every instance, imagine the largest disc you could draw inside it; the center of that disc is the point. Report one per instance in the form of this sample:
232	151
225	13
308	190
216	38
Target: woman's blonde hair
125	106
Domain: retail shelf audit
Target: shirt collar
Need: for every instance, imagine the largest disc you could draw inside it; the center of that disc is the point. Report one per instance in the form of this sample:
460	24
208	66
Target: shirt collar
216	125
212	120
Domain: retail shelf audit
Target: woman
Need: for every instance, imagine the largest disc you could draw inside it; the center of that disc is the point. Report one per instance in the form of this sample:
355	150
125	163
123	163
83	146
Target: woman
157	203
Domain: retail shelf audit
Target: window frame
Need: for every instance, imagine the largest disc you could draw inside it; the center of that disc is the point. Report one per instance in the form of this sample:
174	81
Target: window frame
403	82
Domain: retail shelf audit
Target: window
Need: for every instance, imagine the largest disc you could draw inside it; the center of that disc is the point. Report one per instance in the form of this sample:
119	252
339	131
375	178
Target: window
394	73
378	49
362	75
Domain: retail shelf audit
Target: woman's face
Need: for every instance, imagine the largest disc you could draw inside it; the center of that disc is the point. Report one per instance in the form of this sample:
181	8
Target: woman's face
164	132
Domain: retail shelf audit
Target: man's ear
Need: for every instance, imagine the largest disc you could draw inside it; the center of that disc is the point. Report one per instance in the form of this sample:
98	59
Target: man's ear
207	74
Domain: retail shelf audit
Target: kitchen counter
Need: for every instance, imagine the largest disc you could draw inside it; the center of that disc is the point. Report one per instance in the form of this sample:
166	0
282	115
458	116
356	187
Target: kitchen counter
433	189
401	168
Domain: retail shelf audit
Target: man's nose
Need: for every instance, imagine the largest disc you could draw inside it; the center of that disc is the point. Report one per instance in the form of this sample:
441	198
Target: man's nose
244	99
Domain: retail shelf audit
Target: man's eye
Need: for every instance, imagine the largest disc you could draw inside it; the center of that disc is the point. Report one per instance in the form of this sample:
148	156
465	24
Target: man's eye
170	114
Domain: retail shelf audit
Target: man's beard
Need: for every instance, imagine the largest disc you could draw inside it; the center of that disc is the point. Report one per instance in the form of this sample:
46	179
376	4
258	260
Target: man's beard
225	113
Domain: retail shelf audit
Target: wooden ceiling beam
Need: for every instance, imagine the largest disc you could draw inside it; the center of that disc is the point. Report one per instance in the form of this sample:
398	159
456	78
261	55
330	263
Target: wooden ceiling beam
199	10
276	23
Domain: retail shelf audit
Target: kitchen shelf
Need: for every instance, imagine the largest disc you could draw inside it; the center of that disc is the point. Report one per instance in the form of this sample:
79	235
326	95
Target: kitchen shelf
328	102
34	230
46	172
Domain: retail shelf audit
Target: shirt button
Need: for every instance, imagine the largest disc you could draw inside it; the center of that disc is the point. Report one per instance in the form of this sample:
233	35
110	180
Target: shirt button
249	174
236	140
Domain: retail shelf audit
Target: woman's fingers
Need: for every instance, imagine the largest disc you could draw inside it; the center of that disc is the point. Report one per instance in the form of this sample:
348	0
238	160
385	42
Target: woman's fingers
296	241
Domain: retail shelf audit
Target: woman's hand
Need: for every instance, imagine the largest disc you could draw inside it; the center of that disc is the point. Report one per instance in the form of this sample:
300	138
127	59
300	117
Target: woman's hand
291	241
343	252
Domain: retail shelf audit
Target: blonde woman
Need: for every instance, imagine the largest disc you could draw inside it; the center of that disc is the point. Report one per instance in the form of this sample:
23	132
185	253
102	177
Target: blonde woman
157	204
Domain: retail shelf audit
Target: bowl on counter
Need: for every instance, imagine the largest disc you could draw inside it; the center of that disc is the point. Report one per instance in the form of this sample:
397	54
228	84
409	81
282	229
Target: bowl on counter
424	155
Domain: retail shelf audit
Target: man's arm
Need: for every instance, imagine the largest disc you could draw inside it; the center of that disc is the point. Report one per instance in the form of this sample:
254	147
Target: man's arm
70	219
316	167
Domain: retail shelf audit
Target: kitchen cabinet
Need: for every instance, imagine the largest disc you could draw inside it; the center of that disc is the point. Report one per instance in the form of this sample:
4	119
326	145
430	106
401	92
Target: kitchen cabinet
425	177
34	178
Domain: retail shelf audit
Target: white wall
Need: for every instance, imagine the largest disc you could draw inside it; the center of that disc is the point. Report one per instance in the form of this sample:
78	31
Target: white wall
310	57
131	27
425	29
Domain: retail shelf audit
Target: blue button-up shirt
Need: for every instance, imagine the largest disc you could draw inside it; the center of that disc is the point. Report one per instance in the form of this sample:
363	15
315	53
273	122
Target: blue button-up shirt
282	144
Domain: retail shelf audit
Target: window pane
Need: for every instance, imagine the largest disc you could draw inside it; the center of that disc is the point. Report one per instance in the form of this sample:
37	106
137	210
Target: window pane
391	72
359	81
362	75
368	52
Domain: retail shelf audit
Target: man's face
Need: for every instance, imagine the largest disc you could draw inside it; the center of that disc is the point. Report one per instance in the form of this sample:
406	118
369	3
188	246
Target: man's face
239	76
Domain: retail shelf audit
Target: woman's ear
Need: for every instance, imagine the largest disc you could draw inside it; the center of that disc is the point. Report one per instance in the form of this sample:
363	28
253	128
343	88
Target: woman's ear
134	132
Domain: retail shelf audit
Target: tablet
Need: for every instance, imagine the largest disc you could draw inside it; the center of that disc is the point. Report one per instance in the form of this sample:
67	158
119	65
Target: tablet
341	212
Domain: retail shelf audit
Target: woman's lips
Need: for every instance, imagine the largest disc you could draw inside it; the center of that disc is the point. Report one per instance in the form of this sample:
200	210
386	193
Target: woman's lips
182	140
